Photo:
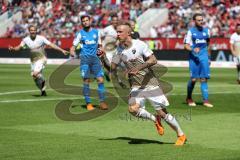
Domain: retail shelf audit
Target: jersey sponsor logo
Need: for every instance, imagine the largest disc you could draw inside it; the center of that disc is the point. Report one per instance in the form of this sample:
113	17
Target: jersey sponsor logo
197	41
134	51
90	42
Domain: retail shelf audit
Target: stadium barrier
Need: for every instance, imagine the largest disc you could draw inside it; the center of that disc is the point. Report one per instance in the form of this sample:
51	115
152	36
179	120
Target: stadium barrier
169	52
154	43
169	58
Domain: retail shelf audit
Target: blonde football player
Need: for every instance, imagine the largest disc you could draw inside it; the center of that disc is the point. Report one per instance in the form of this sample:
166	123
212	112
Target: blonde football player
235	49
139	59
34	44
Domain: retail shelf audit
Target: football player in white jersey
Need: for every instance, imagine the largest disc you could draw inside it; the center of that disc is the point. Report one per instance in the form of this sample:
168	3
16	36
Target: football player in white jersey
110	31
34	44
109	39
139	59
235	49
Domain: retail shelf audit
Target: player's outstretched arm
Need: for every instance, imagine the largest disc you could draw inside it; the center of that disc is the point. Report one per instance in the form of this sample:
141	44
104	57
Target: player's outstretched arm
17	48
58	48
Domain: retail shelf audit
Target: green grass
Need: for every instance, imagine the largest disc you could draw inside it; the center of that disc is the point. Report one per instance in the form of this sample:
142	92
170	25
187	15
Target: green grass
29	128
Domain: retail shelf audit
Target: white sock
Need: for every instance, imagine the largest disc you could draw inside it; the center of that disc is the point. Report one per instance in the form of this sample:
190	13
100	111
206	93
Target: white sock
173	123
145	114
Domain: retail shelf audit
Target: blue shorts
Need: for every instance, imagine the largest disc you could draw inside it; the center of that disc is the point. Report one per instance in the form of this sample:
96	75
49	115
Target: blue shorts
199	69
91	69
91	66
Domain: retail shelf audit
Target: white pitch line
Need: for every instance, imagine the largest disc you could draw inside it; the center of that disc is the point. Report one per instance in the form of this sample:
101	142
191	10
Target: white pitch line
34	100
174	86
16	92
25	91
183	94
72	98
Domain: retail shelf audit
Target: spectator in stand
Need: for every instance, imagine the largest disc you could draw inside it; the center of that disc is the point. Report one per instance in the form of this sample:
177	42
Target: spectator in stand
134	33
221	16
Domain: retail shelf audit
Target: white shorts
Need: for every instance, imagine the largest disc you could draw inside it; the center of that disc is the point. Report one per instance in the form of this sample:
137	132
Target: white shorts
236	59
38	66
153	94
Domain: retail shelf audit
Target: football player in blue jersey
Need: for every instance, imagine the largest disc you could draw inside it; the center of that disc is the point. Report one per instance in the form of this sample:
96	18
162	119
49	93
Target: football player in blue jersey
197	43
90	64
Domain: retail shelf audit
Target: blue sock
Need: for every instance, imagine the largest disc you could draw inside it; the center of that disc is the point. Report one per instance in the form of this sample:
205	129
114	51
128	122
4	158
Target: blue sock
190	87
86	93
101	92
204	89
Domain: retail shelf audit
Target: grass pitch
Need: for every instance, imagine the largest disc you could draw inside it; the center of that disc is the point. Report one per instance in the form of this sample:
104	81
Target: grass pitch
30	129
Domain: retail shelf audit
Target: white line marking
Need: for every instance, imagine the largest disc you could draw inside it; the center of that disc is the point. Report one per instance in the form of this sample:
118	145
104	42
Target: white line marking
174	86
198	93
16	92
72	98
40	99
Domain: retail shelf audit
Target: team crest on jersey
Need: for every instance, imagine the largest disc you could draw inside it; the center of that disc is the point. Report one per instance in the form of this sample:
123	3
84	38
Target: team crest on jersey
94	36
204	34
134	51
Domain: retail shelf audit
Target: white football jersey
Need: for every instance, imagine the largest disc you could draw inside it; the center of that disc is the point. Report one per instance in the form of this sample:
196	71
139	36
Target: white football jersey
35	47
38	42
234	38
132	57
109	31
137	51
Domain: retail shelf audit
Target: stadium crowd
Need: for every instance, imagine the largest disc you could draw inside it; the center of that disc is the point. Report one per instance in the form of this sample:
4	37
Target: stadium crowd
62	17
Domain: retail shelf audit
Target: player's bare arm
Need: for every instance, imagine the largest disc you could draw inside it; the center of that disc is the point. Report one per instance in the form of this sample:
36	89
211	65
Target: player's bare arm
151	60
113	73
17	48
233	50
58	48
187	47
72	51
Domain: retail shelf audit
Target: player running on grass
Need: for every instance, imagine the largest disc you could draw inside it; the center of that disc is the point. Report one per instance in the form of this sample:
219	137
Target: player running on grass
34	44
197	43
89	38
235	49
138	59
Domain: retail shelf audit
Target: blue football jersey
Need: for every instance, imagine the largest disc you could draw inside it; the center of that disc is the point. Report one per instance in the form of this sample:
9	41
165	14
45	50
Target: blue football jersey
89	42
198	38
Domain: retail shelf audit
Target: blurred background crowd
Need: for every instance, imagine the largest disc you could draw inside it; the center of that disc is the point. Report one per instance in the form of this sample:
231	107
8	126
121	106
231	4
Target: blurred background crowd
62	17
